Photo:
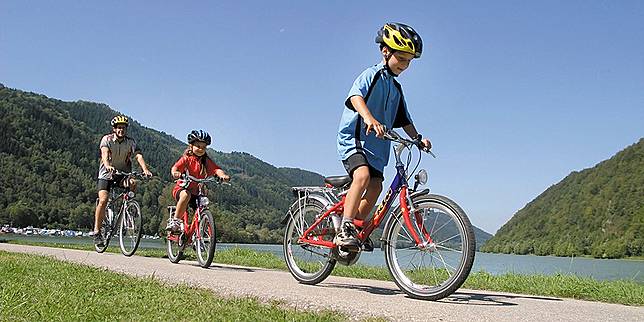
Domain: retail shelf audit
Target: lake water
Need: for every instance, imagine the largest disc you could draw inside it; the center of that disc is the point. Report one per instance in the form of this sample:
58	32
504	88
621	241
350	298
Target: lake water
601	269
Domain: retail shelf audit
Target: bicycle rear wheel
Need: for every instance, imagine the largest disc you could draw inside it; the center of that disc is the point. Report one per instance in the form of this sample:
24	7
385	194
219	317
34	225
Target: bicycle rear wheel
130	228
207	240
309	264
437	269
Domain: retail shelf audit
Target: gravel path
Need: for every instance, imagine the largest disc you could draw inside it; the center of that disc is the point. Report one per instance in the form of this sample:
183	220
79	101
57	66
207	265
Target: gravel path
359	298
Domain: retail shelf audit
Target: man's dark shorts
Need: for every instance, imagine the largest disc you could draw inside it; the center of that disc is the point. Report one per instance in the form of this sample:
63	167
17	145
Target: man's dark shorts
357	160
117	180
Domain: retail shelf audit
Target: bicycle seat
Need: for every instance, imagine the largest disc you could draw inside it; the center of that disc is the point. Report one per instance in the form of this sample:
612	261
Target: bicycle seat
338	181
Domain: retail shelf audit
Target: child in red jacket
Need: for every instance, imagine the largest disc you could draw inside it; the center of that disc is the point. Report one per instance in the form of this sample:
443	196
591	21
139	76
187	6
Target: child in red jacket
196	163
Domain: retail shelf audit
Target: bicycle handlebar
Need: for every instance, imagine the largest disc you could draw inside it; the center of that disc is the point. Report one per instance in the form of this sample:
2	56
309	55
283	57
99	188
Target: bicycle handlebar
131	174
391	135
214	179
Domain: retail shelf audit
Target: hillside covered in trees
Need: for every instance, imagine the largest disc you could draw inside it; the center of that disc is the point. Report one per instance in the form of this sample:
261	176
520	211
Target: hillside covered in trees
49	160
598	211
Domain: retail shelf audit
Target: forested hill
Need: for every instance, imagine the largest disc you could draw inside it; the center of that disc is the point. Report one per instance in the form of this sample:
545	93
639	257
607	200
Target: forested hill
49	159
598	212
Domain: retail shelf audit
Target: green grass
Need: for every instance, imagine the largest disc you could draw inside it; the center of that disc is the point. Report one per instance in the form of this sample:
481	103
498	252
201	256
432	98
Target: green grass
40	288
568	286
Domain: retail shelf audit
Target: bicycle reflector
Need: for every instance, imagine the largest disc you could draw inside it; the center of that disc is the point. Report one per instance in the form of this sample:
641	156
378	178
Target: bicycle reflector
130	194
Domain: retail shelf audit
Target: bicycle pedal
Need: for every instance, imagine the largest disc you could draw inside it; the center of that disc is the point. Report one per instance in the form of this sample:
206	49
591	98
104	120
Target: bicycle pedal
350	249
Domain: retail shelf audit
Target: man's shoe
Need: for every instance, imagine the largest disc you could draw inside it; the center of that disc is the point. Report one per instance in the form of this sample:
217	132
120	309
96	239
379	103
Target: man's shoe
346	238
98	240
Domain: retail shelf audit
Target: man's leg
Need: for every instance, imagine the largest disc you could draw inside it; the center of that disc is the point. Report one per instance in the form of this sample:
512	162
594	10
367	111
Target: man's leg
103	196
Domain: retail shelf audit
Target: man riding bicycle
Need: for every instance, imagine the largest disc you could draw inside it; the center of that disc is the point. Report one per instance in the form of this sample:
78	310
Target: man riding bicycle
117	150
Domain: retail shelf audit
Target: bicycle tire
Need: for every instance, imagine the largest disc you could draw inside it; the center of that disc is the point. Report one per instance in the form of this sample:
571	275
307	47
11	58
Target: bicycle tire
130	228
450	256
207	240
308	269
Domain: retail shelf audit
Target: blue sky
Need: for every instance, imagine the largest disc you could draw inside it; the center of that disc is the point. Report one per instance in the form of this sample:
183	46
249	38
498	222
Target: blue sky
514	95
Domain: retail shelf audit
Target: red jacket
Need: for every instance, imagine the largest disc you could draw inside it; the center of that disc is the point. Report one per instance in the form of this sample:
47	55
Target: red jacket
192	164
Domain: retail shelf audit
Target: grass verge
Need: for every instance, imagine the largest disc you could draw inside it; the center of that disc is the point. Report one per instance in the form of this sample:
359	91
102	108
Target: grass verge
567	286
40	288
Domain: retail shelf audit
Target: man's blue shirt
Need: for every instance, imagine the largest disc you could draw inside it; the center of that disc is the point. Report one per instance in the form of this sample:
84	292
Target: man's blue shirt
385	102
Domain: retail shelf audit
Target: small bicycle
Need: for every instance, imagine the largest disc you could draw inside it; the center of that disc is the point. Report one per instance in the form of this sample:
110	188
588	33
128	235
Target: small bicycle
128	219
201	233
428	241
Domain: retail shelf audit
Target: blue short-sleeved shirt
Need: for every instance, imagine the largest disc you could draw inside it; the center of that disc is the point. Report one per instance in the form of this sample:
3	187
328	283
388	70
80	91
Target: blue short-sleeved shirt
386	103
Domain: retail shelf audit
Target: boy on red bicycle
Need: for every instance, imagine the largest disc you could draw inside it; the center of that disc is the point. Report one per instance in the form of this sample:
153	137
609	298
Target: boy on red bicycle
375	102
195	162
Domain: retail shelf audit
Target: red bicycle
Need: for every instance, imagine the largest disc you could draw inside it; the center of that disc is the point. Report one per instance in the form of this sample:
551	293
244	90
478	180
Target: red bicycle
201	233
428	241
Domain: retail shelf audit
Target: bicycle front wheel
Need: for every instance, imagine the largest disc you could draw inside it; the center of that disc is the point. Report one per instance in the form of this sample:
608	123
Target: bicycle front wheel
206	240
309	264
130	228
439	267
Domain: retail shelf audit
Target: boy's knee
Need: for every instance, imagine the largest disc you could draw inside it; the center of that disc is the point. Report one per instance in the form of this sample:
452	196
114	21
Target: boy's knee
361	176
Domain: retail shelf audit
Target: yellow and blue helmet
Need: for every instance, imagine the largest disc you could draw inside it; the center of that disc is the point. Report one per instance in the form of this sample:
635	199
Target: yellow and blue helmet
401	37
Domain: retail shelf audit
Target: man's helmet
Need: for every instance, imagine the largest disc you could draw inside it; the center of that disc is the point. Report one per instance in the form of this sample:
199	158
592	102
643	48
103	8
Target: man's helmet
199	136
119	119
400	37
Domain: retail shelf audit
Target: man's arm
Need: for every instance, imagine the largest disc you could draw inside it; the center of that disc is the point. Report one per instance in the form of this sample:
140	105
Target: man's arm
105	158
144	167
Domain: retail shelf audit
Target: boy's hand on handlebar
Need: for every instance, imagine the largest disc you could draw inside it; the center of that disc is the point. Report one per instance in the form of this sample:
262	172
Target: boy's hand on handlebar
427	145
176	174
110	168
373	125
225	178
147	173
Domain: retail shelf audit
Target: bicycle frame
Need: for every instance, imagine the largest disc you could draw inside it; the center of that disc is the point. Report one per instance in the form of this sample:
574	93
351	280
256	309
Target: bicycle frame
399	187
189	230
115	196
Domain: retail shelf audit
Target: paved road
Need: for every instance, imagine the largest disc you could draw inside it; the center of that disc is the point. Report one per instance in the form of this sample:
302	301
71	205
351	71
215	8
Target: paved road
357	297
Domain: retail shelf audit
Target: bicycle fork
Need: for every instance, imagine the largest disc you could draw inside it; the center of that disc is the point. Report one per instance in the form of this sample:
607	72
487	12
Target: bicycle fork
424	240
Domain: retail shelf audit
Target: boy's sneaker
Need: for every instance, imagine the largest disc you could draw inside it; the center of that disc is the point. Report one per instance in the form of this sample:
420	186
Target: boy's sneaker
346	238
98	240
174	226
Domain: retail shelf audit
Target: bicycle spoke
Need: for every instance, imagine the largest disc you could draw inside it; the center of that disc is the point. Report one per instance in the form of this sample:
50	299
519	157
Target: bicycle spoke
450	238
408	237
